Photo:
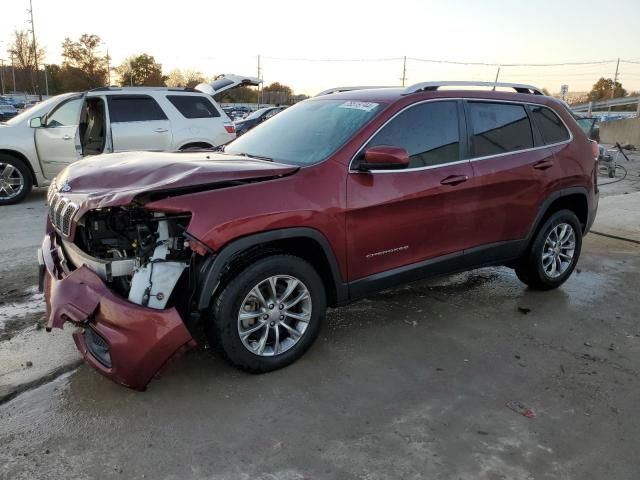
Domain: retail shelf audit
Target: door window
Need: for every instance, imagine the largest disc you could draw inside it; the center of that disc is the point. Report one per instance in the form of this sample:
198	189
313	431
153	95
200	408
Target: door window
428	131
499	128
67	114
549	125
194	106
134	108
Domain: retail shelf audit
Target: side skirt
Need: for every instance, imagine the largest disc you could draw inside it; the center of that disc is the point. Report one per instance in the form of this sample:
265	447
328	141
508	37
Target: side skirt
482	256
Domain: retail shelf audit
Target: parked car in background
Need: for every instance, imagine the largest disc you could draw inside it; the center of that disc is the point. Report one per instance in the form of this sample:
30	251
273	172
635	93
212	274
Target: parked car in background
16	102
335	198
40	142
7	111
256	118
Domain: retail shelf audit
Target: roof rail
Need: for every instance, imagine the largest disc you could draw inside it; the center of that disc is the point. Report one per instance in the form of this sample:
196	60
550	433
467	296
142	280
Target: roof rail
116	88
432	86
349	89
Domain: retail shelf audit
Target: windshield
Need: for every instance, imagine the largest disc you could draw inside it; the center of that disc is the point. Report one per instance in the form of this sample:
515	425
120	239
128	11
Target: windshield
40	109
306	133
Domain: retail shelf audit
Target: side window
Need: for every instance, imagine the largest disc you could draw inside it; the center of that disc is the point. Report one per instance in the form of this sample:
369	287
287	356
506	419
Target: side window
429	132
499	128
65	115
549	125
194	106
134	108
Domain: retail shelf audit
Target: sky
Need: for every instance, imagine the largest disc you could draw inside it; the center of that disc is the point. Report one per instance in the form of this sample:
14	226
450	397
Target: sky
292	37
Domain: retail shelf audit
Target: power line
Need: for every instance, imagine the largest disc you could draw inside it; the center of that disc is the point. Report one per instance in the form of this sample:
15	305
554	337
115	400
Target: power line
390	59
485	64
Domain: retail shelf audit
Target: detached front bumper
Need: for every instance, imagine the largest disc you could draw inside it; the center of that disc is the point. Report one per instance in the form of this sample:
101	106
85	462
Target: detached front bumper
125	342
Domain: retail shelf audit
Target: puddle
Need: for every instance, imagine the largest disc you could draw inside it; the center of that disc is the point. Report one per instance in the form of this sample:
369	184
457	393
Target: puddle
29	303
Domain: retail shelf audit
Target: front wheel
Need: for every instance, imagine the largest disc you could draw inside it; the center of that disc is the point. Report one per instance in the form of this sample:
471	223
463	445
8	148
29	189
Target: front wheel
554	252
269	314
15	180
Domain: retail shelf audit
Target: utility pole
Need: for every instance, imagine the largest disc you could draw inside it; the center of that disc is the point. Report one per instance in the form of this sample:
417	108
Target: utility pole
35	50
260	83
613	87
404	70
46	80
13	73
2	74
108	69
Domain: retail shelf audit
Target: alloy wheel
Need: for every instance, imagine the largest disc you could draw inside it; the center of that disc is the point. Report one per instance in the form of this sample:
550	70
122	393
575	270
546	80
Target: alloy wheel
11	181
558	250
274	315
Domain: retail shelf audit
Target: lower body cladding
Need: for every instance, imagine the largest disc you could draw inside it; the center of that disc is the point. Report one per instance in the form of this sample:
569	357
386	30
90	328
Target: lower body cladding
125	341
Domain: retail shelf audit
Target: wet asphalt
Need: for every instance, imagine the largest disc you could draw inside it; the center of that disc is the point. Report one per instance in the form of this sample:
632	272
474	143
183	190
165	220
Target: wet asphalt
411	383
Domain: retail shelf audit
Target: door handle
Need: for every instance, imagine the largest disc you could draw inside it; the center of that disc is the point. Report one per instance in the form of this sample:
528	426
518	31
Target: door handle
66	137
543	164
160	130
454	180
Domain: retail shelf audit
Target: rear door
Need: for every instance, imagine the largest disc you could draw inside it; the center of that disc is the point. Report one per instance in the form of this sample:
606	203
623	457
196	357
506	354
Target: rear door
512	171
58	139
138	123
401	217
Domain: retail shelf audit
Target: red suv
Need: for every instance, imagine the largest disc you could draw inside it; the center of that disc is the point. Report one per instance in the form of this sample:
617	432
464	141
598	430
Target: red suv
333	199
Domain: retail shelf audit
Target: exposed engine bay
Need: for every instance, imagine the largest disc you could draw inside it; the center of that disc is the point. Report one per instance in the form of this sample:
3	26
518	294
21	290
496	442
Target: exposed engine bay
141	254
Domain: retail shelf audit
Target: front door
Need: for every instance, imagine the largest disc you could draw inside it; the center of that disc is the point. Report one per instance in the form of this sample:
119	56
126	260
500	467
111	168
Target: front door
400	218
138	123
58	139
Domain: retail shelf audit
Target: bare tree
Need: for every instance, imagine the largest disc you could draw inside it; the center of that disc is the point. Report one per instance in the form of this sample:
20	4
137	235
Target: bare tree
26	54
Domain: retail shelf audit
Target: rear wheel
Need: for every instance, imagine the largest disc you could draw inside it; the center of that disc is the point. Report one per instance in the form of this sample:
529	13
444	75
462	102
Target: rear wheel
15	180
269	314
554	252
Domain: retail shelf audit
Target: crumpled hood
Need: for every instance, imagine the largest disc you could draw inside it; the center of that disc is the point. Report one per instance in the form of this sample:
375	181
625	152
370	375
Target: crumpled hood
115	179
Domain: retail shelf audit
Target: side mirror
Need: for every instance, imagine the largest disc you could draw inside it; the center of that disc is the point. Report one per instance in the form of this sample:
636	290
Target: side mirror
35	122
384	157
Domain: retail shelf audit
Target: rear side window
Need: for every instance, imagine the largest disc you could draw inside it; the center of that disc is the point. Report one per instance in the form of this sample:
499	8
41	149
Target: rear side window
549	125
134	108
194	106
499	128
429	132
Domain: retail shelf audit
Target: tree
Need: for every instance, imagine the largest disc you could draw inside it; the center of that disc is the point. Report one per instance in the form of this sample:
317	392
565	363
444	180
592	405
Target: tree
83	68
277	93
185	79
602	90
25	55
141	70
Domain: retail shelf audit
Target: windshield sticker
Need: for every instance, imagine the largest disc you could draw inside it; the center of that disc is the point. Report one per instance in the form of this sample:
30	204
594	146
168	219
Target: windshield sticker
366	106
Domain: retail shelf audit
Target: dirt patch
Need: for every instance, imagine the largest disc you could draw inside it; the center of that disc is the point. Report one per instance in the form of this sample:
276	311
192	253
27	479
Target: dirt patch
20	309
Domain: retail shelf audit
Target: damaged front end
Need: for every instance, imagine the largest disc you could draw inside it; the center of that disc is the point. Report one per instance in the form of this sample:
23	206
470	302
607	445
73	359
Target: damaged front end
125	276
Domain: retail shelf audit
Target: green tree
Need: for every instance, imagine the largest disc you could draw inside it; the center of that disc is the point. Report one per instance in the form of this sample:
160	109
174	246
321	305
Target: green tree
83	67
141	70
602	90
25	56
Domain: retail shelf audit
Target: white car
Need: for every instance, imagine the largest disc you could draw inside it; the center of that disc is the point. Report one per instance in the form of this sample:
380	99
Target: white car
38	143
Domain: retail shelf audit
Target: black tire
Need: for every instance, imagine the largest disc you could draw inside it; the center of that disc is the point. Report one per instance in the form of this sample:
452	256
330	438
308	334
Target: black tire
530	269
222	326
27	184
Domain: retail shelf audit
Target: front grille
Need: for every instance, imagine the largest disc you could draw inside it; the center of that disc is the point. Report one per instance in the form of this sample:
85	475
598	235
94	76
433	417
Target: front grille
61	212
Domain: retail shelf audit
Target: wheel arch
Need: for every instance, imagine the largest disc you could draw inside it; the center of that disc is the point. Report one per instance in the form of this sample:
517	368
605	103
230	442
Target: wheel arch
187	145
23	158
304	242
574	199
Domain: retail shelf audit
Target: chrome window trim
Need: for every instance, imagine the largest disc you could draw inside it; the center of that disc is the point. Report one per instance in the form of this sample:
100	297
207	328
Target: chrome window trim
467	160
